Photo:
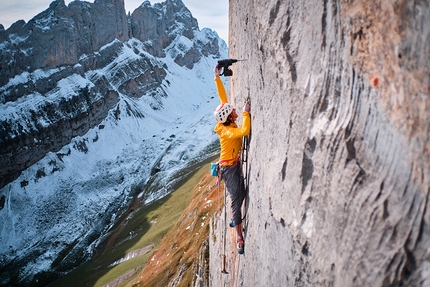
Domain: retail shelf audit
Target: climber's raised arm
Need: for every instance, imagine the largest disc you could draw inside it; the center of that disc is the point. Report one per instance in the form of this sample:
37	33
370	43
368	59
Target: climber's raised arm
220	86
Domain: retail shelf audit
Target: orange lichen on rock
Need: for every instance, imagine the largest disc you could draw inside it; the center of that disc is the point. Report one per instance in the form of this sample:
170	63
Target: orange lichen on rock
375	81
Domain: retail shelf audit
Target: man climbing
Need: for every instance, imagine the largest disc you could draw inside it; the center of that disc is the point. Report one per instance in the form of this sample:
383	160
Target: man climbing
230	137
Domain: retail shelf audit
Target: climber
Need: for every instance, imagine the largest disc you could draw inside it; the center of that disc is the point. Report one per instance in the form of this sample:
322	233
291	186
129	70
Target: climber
230	137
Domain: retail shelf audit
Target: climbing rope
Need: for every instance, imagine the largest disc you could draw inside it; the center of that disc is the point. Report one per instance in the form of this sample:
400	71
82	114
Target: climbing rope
224	230
219	212
245	146
245	150
245	166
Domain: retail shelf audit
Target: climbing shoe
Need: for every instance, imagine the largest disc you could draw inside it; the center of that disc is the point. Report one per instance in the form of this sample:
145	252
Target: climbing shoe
240	245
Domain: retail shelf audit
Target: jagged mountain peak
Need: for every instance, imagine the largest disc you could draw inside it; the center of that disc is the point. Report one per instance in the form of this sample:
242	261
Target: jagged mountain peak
61	34
159	25
56	5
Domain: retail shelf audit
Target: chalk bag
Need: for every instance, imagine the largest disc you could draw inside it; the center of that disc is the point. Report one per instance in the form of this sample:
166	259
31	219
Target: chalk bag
214	169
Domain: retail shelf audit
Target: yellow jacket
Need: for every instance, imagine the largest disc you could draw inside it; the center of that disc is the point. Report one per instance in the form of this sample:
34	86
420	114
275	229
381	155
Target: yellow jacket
230	137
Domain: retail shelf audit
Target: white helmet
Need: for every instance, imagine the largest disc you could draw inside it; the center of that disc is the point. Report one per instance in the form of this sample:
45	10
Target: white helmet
222	112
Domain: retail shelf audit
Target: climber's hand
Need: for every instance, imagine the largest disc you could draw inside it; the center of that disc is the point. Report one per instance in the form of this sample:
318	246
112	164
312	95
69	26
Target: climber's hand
247	107
217	71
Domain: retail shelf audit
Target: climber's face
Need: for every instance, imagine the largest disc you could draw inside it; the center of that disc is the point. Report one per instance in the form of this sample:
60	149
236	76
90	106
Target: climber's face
233	115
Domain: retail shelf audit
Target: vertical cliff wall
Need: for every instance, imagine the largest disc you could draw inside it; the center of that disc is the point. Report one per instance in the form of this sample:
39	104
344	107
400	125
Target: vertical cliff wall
339	154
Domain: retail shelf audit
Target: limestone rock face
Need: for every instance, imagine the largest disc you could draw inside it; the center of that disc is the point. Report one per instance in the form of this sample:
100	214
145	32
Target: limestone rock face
339	153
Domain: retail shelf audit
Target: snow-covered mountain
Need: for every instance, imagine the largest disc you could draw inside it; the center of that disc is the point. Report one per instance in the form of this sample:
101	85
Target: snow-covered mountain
94	121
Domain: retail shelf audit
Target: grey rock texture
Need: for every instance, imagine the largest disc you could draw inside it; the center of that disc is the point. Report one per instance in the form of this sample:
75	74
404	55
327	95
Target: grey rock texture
69	117
158	28
61	34
339	153
201	267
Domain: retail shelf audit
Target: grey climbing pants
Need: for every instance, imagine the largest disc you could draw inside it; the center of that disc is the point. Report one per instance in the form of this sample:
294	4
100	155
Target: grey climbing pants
233	178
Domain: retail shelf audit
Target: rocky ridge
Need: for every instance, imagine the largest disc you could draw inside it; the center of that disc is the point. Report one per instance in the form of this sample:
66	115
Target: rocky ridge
63	42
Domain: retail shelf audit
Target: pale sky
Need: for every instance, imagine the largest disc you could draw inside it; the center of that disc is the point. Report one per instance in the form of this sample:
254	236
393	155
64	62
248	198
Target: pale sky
209	13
